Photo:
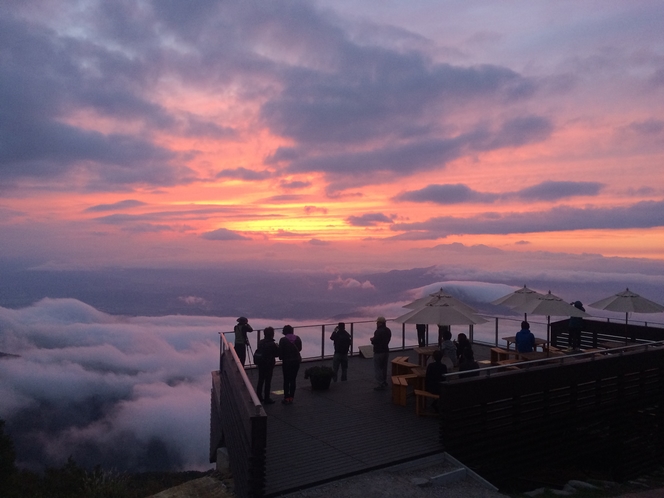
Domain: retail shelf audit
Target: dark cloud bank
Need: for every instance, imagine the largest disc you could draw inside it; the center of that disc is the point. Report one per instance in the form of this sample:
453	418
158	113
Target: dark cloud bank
319	86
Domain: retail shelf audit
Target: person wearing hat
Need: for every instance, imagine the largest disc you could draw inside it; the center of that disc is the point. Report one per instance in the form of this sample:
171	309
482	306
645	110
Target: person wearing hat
241	338
575	327
381	349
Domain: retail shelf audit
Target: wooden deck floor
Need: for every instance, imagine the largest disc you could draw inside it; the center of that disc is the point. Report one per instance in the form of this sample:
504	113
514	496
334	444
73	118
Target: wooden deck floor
344	431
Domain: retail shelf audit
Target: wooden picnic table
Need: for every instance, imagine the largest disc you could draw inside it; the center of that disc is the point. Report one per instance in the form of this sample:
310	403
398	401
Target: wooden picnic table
424	353
539	343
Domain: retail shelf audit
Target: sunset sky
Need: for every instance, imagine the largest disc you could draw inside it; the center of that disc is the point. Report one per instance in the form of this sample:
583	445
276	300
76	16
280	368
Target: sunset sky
169	165
362	132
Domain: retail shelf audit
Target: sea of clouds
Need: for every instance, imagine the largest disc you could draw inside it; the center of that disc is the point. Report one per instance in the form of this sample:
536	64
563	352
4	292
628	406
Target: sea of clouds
133	393
128	393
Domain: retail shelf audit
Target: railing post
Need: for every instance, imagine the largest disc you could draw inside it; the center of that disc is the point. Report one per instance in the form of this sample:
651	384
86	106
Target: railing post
351	338
496	332
471	335
322	342
403	336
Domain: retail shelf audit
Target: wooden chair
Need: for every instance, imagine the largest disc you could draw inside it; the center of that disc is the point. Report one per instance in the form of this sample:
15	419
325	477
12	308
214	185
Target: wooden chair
399	390
421	403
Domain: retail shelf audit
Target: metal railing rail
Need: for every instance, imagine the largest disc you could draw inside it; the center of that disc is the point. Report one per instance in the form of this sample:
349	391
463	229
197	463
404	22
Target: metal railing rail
317	347
557	360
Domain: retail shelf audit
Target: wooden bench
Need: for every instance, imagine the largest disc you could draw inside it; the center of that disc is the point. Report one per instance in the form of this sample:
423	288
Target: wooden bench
500	354
395	363
399	390
410	378
421	403
400	385
401	366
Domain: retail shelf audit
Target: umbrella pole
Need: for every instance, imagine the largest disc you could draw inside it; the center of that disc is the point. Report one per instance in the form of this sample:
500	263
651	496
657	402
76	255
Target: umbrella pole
626	315
548	333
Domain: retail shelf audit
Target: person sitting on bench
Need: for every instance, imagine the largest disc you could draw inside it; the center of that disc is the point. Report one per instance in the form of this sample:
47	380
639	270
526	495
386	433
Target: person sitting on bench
435	375
467	362
525	340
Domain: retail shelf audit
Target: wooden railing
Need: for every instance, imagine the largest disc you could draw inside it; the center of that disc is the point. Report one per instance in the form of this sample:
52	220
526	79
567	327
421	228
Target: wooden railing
596	331
238	422
605	411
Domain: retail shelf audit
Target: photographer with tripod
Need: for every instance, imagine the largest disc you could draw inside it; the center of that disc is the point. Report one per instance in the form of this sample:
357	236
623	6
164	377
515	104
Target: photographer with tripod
241	339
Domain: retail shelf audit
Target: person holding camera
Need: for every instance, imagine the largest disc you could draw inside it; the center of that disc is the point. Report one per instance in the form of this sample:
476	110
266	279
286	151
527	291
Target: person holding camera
241	339
341	339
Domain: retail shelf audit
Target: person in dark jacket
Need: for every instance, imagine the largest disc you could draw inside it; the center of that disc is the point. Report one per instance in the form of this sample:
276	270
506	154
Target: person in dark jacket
467	362
241	338
290	346
265	358
575	327
381	350
435	374
525	340
462	345
341	339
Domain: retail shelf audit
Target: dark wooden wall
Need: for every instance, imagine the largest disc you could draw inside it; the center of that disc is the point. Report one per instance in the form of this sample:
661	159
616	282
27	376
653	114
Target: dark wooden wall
605	411
238	422
595	331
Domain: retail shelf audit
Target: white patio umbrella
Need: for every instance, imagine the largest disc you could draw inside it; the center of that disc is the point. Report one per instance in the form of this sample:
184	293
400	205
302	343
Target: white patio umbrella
440	313
549	305
518	298
441	297
627	302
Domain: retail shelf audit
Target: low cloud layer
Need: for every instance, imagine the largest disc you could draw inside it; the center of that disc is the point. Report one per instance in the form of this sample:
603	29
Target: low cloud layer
127	393
133	392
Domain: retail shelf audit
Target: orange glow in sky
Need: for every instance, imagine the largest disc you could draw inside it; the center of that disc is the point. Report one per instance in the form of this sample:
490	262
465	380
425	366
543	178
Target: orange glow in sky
243	129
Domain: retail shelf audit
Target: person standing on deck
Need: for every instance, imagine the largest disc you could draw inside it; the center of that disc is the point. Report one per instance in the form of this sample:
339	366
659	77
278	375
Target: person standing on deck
341	339
290	346
421	334
381	349
241	338
264	358
525	340
575	327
